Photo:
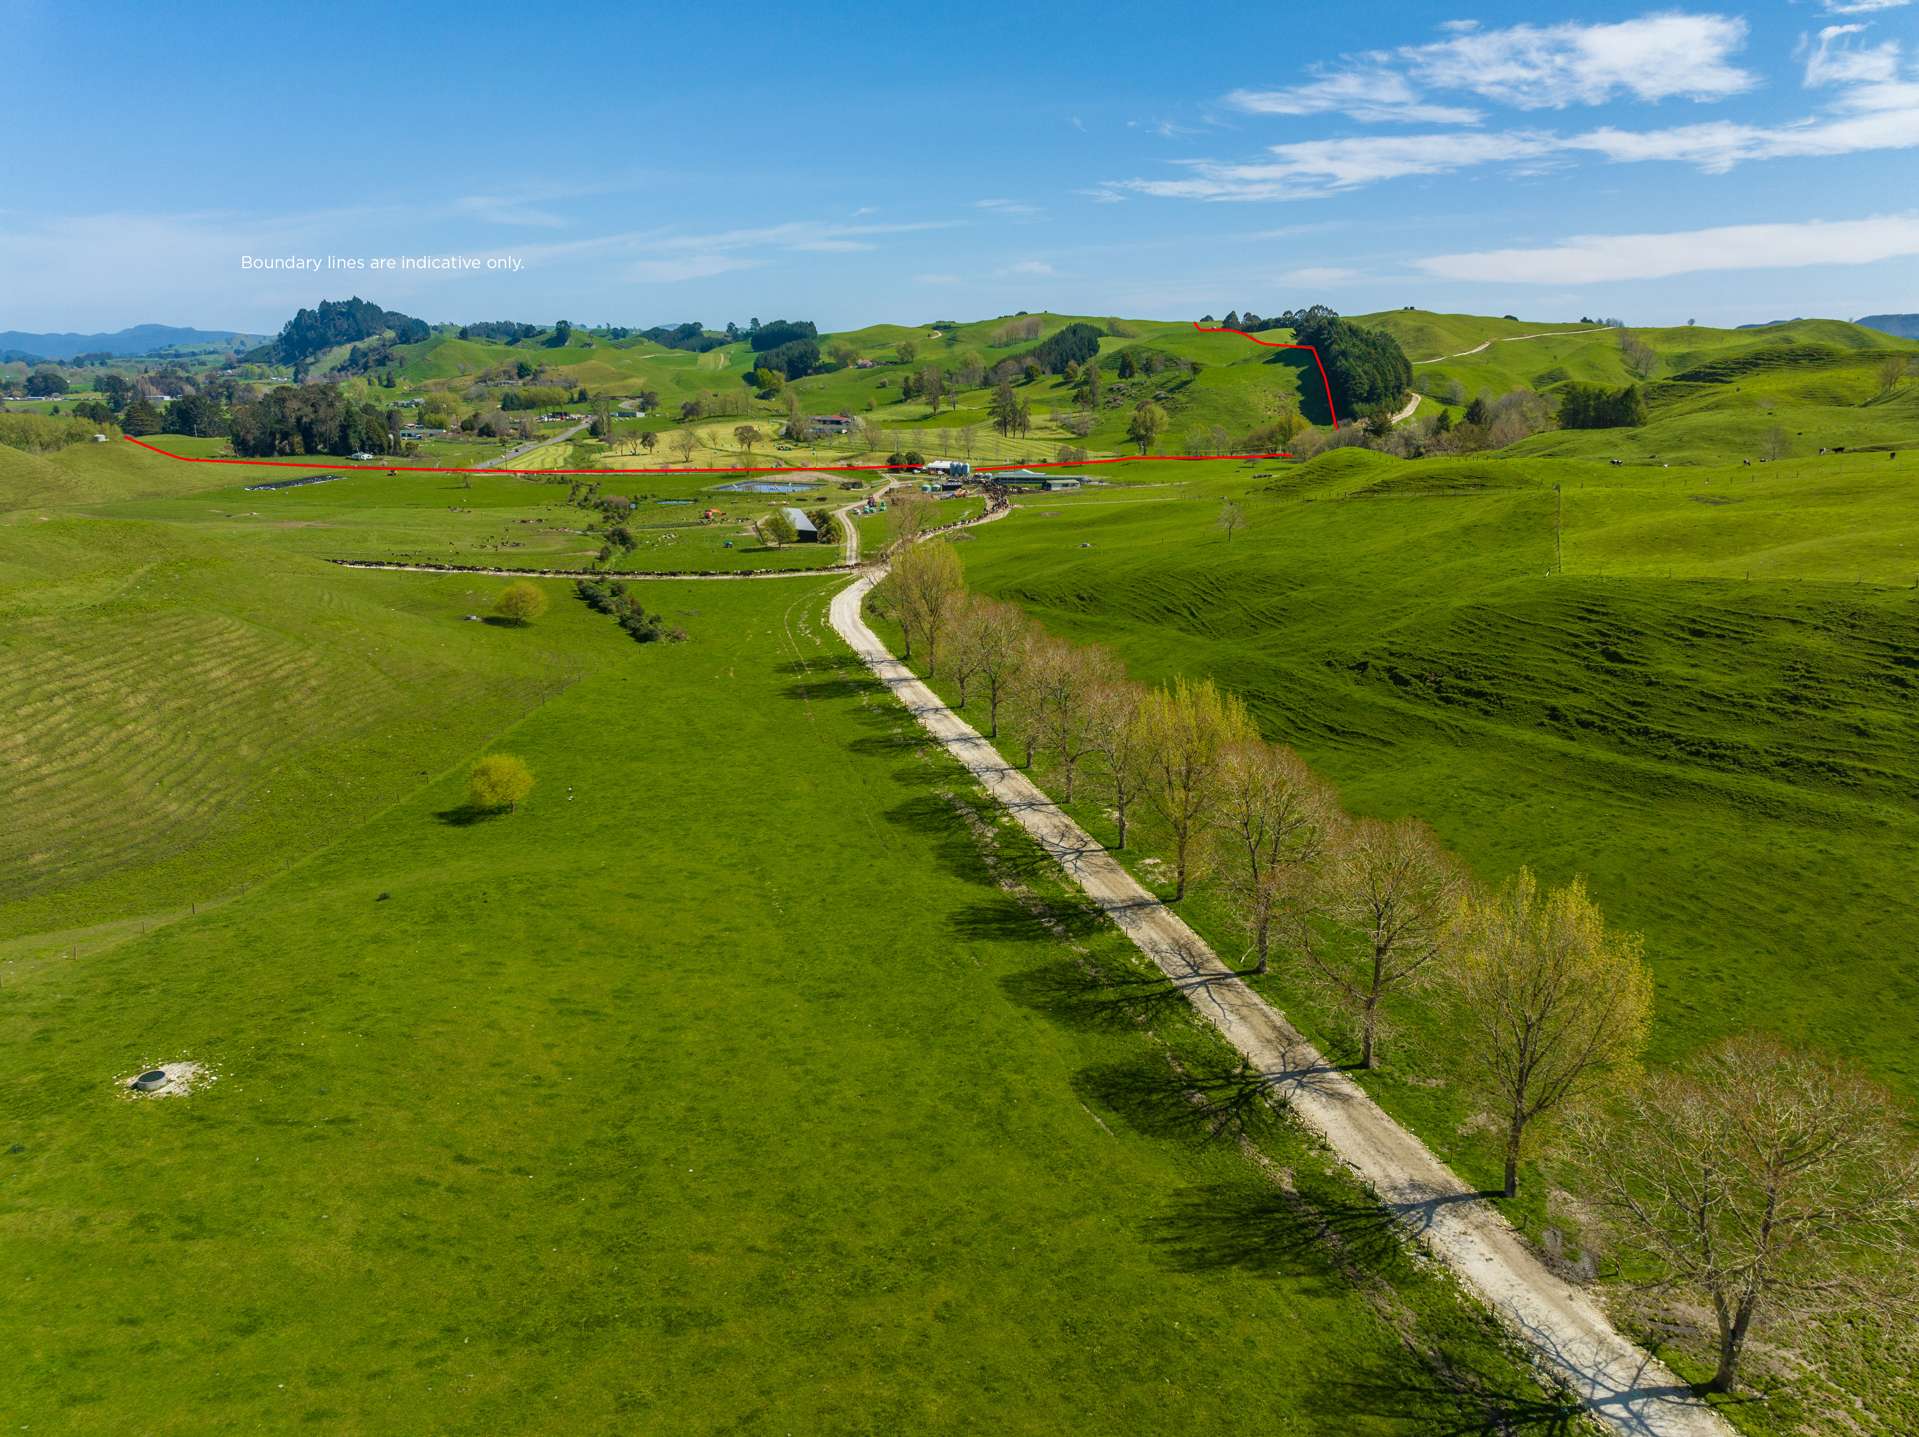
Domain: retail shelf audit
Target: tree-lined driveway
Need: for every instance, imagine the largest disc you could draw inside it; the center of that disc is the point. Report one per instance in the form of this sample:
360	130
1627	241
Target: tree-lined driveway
1564	1329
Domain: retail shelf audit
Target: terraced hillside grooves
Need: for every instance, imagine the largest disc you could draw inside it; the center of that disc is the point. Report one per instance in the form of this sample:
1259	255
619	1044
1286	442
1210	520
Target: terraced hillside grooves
1729	759
187	722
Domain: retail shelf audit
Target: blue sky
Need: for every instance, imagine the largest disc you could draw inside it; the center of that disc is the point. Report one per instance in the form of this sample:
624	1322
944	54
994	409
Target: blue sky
856	163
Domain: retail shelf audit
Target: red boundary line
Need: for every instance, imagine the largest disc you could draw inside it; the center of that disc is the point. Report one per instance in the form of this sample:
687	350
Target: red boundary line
321	461
376	468
1275	344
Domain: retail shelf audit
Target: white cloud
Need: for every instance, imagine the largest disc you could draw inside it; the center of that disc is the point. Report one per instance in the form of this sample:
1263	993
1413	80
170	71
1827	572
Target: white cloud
1315	275
1006	207
1313	168
1530	67
1860	7
1371	96
502	210
1871	108
1876	117
1534	67
1599	259
1030	267
793	236
685	267
1845	63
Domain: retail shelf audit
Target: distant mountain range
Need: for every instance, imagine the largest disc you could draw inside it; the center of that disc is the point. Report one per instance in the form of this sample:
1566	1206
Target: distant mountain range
140	339
1906	326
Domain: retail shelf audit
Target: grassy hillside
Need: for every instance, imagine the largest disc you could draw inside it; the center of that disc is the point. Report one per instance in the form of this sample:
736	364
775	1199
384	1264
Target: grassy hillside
191	708
1715	394
752	1076
1708	712
1239	387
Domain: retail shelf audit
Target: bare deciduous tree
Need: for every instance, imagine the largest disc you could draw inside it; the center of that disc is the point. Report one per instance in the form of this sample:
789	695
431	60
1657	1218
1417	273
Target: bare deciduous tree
1061	678
1121	741
685	441
995	635
1640	357
909	514
967	638
1391	898
1551	999
1189	730
1276	822
1769	1181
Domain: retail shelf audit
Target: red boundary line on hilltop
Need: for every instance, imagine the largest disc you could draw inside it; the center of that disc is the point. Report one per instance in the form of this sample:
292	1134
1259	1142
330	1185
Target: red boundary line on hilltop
378	468
1275	344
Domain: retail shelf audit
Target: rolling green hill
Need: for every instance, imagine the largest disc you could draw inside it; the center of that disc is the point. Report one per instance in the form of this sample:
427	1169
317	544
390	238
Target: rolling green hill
1708	711
1713	394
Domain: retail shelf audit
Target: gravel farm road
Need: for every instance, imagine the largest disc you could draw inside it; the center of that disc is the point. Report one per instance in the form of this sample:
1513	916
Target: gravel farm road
1564	1328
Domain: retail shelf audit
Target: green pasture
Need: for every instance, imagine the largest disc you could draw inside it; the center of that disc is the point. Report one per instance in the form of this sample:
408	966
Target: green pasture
753	1076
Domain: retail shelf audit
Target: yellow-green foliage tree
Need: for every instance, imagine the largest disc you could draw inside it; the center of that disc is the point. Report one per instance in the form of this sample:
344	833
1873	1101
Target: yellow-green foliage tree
924	588
498	781
1549	999
1189	730
520	602
776	530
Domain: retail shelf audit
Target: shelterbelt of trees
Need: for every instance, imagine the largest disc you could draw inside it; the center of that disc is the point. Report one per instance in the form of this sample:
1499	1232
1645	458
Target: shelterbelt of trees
336	322
1761	1181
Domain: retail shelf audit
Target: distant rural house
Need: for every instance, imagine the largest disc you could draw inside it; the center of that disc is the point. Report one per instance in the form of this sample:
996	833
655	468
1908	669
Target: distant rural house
820	425
804	529
864	364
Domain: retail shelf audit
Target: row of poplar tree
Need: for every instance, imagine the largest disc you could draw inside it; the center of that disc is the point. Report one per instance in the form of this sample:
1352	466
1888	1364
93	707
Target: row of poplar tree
1769	1180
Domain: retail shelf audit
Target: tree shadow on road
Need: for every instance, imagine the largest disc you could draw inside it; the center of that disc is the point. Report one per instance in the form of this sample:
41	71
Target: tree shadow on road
1066	991
1012	919
1453	1396
1252	1225
1159	1101
828	686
